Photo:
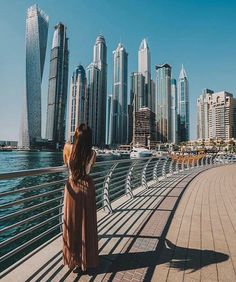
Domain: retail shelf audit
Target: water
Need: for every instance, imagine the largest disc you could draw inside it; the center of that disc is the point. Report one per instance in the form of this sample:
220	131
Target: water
15	161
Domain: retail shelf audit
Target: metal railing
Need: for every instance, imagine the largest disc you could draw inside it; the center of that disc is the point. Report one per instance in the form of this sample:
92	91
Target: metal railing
31	212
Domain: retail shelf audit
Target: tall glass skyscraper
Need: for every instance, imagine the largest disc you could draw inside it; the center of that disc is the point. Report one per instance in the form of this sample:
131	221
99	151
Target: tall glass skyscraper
163	103
77	101
100	60
183	106
94	109
118	121
36	43
57	87
144	67
173	106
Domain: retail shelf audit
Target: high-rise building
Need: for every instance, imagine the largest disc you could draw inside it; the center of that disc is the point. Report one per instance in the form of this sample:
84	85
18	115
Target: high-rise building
137	90
57	87
77	101
36	43
108	121
163	103
173	106
118	121
144	128
144	67
93	111
183	106
222	115
203	107
100	60
153	90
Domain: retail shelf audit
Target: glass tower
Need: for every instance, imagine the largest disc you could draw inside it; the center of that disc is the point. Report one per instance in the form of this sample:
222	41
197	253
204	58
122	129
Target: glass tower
144	67
163	103
118	121
183	107
173	106
36	43
77	101
100	60
57	87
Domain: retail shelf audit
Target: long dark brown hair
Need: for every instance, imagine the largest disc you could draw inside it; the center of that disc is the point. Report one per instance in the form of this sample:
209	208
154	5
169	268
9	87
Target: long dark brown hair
81	152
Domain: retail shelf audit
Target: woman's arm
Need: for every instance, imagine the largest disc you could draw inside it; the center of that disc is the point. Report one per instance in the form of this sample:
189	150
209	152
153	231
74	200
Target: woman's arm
66	151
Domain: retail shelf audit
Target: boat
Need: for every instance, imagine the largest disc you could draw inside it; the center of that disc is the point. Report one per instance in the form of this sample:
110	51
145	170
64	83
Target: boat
116	153
140	152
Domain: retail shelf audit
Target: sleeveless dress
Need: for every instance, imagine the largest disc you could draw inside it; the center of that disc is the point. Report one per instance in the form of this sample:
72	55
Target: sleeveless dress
80	239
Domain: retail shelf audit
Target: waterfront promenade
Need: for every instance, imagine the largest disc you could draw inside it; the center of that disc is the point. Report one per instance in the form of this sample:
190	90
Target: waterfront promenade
182	228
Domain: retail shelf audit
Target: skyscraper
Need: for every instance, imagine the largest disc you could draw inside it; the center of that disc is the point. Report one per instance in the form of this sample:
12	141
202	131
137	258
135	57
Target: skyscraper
216	115
137	90
108	121
94	108
144	67
77	101
100	60
57	87
163	103
183	106
173	106
203	108
36	43
118	121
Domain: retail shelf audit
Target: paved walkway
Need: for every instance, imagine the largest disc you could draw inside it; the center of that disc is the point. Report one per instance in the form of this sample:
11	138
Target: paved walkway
148	239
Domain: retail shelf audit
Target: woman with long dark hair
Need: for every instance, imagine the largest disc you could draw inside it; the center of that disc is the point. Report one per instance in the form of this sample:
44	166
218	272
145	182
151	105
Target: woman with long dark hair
80	242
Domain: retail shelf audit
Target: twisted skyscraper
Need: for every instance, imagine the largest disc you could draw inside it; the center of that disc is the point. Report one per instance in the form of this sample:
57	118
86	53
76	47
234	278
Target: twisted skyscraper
57	88
36	43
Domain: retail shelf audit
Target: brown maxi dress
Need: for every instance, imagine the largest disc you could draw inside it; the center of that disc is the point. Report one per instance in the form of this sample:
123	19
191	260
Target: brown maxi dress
80	240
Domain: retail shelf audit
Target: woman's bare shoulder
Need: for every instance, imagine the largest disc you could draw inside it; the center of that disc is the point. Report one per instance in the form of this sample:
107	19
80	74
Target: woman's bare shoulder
67	147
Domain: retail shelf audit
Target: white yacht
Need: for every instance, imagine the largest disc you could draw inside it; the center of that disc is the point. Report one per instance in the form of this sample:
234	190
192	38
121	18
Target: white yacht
140	152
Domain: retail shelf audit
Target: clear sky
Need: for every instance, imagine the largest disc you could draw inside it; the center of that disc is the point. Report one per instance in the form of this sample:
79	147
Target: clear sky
201	34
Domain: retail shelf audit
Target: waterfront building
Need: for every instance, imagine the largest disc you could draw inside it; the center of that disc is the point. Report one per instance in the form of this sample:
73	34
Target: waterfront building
203	107
94	102
183	107
36	43
222	116
108	121
144	128
100	61
57	87
77	101
144	67
119	118
137	90
130	123
153	90
173	107
163	103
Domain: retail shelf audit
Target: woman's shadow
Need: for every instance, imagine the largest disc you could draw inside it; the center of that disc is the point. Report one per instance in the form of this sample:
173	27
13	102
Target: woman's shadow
174	256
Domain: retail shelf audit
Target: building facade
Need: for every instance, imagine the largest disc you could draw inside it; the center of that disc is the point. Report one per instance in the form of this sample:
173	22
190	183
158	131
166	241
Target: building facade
36	44
94	101
173	107
144	128
119	110
203	107
163	103
57	87
222	115
100	61
183	107
144	67
77	101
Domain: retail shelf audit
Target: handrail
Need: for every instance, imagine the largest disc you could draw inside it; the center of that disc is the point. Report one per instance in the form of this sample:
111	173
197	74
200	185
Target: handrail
113	179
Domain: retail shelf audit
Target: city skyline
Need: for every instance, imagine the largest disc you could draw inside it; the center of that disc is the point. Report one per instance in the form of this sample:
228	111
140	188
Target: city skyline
157	44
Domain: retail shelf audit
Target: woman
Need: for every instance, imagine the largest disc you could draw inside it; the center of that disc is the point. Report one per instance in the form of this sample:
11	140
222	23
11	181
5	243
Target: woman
80	243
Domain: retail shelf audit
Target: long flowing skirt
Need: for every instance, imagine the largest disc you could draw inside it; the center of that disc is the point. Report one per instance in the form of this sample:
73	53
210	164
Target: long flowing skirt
80	240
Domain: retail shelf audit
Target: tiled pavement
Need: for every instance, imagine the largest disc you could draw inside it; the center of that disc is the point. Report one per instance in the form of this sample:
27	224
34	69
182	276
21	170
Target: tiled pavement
147	238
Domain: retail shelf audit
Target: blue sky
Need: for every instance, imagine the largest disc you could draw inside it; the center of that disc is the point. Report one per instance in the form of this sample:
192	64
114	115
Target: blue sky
200	34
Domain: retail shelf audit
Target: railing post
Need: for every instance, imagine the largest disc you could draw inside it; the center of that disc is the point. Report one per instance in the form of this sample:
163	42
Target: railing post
188	164
106	197
182	165
171	167
128	190
155	170
177	166
144	180
164	168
